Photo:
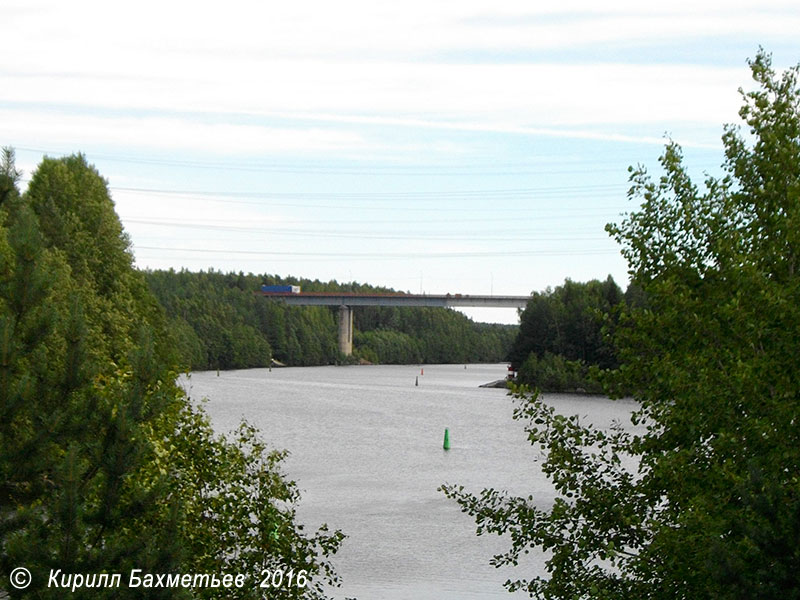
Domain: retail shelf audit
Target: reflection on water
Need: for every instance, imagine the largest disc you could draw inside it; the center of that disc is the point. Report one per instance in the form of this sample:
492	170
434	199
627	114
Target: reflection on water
365	448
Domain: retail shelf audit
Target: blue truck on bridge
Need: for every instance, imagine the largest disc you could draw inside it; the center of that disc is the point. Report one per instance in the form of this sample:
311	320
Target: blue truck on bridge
280	289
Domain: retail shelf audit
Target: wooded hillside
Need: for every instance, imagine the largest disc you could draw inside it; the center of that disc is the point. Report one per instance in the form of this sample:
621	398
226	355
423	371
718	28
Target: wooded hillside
219	321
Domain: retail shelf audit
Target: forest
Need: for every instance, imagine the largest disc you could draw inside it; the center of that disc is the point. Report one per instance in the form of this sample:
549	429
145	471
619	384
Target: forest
105	464
219	322
565	337
98	442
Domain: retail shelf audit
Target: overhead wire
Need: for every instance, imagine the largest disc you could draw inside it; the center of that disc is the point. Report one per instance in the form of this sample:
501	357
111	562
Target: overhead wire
403	200
358	221
504	235
377	202
329	167
386	195
379	255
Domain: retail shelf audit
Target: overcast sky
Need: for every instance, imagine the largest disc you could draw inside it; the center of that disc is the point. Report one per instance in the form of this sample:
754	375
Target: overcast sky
467	147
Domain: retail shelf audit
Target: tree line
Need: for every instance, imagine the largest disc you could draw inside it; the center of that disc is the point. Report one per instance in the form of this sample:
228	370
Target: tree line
565	335
105	465
218	321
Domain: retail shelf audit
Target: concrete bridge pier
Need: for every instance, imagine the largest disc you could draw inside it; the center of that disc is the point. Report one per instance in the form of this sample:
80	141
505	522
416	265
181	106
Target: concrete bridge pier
345	330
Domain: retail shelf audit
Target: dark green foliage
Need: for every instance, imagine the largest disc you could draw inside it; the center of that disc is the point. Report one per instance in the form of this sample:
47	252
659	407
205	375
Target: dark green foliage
568	321
568	324
237	328
554	373
73	426
241	514
188	345
440	335
77	221
388	347
214	323
104	464
9	177
76	215
705	501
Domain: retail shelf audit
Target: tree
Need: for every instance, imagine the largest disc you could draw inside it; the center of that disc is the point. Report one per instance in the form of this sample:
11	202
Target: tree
387	347
711	508
76	217
568	321
105	465
9	176
73	427
561	335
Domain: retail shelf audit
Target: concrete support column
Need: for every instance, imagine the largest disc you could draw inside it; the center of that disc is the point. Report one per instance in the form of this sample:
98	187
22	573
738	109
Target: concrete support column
345	330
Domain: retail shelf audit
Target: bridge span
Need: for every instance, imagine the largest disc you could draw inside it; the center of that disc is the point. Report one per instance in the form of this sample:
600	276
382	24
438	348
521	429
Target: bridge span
346	302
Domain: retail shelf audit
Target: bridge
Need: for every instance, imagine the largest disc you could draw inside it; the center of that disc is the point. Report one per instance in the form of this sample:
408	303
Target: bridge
346	302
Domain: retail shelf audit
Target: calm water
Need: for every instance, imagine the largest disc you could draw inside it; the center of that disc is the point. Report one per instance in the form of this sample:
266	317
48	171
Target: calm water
365	448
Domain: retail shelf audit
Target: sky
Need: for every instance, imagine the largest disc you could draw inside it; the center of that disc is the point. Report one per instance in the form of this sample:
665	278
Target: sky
461	146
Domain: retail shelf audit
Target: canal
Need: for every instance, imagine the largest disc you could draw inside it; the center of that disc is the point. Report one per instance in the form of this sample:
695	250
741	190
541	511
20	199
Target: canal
365	446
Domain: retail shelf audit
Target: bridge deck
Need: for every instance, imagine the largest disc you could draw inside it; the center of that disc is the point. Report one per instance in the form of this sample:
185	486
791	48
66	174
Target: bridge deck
440	300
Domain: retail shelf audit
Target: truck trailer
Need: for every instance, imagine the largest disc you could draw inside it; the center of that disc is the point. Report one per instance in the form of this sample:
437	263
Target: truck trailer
280	289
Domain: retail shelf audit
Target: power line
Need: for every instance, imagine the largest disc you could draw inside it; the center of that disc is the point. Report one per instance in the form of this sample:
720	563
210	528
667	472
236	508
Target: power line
449	220
386	195
504	235
487	167
384	255
276	199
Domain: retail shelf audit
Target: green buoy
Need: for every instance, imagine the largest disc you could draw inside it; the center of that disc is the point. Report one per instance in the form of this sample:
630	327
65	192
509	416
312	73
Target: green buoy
446	444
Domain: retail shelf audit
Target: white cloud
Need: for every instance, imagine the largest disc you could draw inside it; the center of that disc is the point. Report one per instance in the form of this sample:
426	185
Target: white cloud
464	80
360	63
43	127
594	101
142	33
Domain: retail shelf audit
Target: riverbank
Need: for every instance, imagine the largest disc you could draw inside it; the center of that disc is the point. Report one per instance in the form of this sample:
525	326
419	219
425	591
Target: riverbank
499	383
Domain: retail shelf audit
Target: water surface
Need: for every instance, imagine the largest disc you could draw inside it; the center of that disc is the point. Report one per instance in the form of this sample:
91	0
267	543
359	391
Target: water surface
365	446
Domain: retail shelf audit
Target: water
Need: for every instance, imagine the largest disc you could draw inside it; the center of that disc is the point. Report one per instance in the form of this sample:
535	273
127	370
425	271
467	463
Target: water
365	448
